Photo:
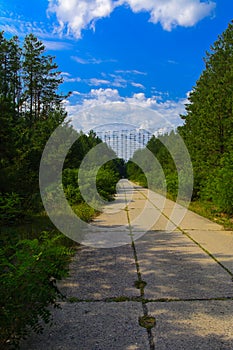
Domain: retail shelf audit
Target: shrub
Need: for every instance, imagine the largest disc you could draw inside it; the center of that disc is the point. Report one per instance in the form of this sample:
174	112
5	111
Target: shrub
142	180
106	181
172	184
29	270
84	212
223	192
10	207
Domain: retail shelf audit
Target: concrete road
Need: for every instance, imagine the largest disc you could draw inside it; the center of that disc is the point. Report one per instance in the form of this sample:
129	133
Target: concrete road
164	282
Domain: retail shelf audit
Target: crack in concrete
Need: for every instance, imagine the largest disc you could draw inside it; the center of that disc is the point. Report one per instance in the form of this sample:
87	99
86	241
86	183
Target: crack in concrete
188	235
123	299
141	285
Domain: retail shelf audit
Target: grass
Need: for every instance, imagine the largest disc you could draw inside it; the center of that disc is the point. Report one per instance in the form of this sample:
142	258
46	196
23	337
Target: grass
147	321
31	226
210	211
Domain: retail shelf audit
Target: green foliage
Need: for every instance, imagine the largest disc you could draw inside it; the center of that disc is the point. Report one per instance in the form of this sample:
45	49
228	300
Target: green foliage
133	171
71	187
80	148
219	187
224	187
93	182
172	184
96	178
29	271
160	172
208	126
10	208
84	211
31	109
106	181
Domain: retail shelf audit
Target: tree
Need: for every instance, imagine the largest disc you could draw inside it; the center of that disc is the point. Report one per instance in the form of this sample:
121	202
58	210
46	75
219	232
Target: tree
31	109
208	126
40	80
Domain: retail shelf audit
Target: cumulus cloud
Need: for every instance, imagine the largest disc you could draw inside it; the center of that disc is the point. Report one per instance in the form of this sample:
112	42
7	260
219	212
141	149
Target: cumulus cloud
75	15
106	106
104	95
172	13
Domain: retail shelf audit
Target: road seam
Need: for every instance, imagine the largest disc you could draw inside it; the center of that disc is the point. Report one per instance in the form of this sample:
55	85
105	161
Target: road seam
147	321
191	238
123	299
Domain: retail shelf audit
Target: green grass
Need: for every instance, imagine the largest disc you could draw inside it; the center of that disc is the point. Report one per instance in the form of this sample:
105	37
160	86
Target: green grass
210	211
84	211
31	225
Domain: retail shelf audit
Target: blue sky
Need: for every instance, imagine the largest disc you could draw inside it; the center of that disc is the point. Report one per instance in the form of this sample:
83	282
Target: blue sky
118	56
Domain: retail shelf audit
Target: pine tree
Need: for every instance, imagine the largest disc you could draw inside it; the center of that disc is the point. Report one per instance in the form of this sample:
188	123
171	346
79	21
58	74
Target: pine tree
30	108
208	127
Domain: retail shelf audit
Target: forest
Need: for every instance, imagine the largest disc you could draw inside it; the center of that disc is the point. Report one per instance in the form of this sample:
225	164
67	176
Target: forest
34	255
208	134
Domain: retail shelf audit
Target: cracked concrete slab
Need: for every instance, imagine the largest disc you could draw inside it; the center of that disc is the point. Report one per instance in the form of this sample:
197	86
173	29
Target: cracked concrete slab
174	267
101	273
219	243
93	326
197	325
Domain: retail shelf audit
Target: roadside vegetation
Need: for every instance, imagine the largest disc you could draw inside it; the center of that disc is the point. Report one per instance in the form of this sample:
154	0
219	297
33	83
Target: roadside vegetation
208	135
34	255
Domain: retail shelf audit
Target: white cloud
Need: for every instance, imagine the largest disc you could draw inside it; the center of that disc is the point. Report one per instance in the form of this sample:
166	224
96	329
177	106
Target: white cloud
56	45
66	74
133	71
69	79
104	95
138	85
184	13
15	25
75	15
118	81
112	80
91	60
76	93
98	82
106	106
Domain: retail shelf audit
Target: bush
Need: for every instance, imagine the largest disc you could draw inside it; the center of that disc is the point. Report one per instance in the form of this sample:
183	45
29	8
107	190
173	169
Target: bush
223	191
29	270
84	212
106	181
10	208
142	180
172	184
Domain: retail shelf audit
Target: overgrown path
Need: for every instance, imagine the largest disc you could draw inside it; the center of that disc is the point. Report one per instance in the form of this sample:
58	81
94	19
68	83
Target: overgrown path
166	289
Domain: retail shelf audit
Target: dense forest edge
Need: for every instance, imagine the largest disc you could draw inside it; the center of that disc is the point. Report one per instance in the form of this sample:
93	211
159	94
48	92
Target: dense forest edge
34	255
208	134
